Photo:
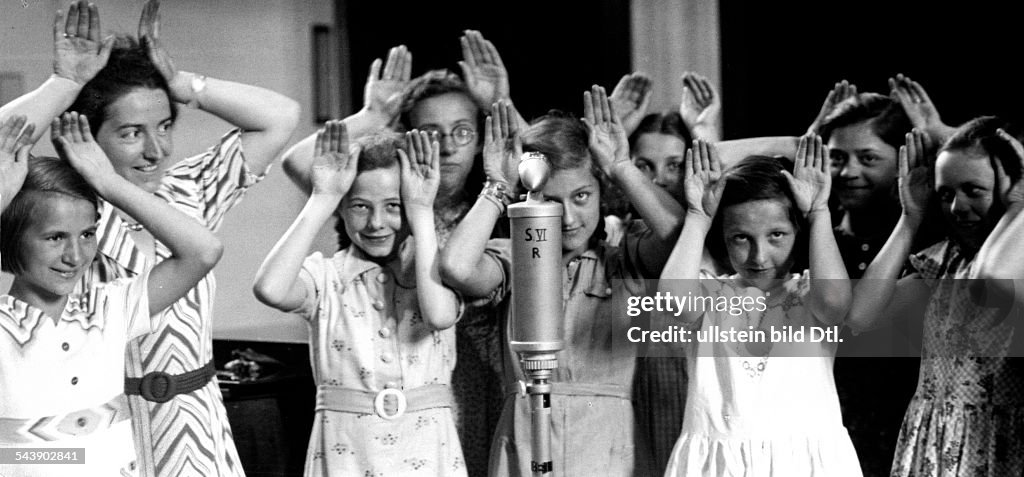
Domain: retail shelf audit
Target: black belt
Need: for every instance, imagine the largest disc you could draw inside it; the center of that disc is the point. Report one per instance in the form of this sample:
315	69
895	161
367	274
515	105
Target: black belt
159	386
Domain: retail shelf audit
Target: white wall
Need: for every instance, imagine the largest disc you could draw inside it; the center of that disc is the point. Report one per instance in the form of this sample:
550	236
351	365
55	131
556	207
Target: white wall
265	43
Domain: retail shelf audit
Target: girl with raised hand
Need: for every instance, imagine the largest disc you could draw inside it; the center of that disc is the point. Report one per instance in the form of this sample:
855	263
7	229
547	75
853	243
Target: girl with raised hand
761	408
593	429
967	416
440	102
381	322
65	324
131	97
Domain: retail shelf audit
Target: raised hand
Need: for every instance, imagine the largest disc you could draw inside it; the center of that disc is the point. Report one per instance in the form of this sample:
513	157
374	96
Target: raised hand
334	164
842	91
608	142
703	183
915	186
15	144
73	141
502	144
700	104
384	91
630	99
915	101
421	171
1010	191
149	35
810	181
78	52
485	74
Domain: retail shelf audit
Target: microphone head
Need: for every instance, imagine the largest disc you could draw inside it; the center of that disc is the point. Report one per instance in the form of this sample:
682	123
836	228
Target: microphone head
533	171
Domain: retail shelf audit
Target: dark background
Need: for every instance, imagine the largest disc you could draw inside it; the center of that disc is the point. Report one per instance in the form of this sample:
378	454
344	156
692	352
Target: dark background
779	59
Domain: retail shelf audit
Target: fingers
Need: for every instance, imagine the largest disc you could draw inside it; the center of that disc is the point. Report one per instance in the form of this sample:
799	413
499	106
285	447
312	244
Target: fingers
588	109
71	25
1014	144
705	157
320	145
801	154
389	67
374	71
489	127
467	52
689	170
9	132
94	22
707	93
904	162
58	26
399	64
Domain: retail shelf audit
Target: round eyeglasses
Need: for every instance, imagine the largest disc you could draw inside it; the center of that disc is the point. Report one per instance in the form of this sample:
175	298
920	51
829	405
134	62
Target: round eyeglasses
461	135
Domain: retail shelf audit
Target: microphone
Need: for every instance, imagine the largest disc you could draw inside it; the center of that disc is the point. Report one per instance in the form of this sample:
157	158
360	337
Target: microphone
536	329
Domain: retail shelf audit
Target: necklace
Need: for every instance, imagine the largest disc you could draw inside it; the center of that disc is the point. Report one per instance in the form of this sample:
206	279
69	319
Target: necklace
755	370
132	226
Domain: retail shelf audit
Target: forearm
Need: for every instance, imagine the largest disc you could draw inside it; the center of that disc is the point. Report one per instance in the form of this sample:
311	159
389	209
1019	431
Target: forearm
41	105
736	150
437	303
876	289
830	294
298	159
662	212
682	269
266	118
462	258
276	281
186	238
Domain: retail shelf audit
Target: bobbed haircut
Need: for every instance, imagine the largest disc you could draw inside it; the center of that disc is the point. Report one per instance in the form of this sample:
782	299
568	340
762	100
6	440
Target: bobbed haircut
47	176
564	140
752	179
376	151
129	68
668	123
886	118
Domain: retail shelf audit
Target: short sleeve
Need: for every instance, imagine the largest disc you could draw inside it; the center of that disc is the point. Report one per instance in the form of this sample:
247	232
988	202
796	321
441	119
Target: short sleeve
219	177
128	297
499	250
314	278
928	263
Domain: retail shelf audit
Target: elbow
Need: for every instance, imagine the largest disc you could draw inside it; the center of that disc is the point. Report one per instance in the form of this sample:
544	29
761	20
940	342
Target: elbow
211	254
454	271
266	292
288	115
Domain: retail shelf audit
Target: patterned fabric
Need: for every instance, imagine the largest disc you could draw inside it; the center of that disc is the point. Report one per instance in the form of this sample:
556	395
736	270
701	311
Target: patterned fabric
61	377
762	412
967	417
592	432
366	334
188	435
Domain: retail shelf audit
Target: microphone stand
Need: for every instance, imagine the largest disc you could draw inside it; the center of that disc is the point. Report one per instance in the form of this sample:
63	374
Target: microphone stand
536	228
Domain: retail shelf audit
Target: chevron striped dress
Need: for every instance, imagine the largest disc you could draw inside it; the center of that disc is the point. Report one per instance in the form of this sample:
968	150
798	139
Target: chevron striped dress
61	381
188	435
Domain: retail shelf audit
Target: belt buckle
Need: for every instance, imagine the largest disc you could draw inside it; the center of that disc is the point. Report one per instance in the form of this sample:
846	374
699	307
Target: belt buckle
378	403
148	382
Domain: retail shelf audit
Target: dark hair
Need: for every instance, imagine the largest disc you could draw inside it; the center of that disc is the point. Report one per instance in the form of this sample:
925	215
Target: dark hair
46	176
436	83
376	151
670	123
564	140
886	117
758	178
128	68
980	134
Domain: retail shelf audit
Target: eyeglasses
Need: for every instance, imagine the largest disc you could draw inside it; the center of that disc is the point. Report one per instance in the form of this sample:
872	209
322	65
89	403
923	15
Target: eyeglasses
462	135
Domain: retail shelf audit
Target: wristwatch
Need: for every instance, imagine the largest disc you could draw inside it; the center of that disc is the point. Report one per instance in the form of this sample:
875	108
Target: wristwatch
198	84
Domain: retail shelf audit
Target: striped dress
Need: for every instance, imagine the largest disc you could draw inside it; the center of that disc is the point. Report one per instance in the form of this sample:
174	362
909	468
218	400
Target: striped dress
188	435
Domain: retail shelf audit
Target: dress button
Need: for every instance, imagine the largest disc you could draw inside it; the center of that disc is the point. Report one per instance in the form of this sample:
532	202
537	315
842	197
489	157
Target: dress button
65	346
81	422
74	380
386	357
862	266
378	305
384	332
382	277
865	247
608	291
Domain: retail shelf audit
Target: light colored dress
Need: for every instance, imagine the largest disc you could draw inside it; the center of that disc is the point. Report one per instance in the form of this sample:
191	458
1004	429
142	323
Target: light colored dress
756	414
366	334
188	435
967	416
593	430
52	373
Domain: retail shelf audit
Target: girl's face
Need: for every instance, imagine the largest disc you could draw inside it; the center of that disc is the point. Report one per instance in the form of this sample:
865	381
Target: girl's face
965	187
864	167
137	136
56	248
372	211
579	192
660	158
451	116
759	238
